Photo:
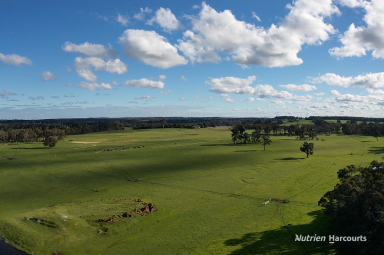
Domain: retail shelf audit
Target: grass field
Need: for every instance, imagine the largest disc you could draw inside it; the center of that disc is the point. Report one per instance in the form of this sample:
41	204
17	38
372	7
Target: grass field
208	192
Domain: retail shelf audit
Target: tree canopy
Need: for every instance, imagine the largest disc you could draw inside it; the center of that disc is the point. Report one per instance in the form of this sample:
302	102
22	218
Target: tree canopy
357	207
238	133
307	148
50	141
265	140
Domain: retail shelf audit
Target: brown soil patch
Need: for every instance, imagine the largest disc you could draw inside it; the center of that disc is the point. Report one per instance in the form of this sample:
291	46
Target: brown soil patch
280	201
147	209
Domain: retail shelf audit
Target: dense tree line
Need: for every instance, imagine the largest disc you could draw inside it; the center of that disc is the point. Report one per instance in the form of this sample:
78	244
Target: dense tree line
28	131
239	135
363	128
347	118
17	132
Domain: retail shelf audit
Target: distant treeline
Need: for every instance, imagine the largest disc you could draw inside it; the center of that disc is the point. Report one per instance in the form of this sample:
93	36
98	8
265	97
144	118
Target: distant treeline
346	118
38	130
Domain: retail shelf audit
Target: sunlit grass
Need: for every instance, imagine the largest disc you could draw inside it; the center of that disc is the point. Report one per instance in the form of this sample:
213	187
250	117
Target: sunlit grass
208	192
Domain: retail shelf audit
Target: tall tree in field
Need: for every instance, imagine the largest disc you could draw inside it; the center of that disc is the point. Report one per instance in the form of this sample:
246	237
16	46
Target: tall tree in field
356	205
256	136
307	148
265	140
237	133
246	137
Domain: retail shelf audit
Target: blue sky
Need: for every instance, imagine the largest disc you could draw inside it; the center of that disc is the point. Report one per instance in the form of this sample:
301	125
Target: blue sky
76	59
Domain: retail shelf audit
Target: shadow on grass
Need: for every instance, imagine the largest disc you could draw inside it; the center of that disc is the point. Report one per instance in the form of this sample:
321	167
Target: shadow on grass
30	148
289	158
366	141
376	150
246	151
282	240
225	144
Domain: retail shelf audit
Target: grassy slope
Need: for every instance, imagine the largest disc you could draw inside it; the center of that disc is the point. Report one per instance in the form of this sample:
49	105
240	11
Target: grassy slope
208	192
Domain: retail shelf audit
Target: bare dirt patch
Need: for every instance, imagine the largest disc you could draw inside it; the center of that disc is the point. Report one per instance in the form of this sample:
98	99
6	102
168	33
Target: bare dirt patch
147	209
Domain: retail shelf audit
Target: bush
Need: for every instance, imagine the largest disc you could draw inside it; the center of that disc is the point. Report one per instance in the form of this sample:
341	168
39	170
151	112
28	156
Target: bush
50	141
357	207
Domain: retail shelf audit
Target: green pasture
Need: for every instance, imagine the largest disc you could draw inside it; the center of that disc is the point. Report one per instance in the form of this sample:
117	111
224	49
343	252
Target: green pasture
207	191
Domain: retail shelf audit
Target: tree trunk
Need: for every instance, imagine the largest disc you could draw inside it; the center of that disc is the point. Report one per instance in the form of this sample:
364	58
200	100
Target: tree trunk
264	147
307	154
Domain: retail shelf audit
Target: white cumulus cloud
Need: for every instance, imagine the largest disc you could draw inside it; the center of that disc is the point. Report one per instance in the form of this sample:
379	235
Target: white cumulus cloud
267	91
232	85
304	87
48	76
352	3
227	98
150	48
351	98
141	14
369	81
112	66
166	19
122	19
83	67
87	74
145	83
356	41
220	32
89	49
249	99
14	59
94	86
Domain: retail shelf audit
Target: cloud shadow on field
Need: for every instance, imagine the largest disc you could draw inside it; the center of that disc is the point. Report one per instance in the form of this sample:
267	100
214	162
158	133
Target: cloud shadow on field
30	148
289	158
222	144
376	150
282	240
80	172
